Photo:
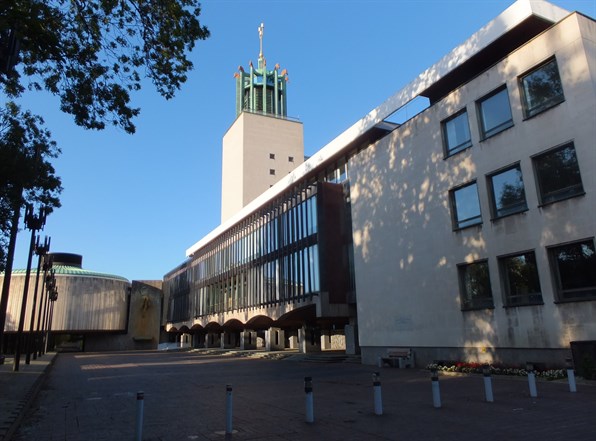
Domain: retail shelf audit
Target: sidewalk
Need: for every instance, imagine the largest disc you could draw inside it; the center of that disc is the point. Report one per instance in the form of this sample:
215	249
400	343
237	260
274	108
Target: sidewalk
18	390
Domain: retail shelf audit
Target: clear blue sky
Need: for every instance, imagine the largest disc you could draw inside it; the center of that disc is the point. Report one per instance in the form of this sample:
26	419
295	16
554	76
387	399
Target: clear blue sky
132	205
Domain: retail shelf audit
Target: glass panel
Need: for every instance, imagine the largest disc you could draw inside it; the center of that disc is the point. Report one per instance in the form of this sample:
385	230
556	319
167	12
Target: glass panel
508	192
576	269
558	175
475	282
457	133
542	88
521	279
495	113
467	206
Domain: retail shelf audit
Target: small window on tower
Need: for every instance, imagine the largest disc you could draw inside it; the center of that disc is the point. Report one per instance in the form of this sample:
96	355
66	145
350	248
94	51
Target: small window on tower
272	171
271	155
290	159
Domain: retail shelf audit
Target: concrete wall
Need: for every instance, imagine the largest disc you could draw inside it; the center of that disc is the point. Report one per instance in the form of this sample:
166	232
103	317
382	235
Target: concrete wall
83	304
246	161
406	253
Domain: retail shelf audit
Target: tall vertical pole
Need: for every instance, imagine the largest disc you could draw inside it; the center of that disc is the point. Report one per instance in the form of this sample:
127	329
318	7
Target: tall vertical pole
17	352
40	251
47	263
14	229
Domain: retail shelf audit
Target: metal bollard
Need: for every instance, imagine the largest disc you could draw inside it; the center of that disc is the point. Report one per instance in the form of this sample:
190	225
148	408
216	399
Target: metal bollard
310	414
570	375
377	393
229	409
488	384
434	378
139	425
531	380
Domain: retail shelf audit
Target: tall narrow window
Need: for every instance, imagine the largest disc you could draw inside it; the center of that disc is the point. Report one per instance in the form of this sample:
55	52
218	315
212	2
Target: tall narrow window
557	173
475	288
521	284
465	206
574	269
507	192
541	88
495	112
456	133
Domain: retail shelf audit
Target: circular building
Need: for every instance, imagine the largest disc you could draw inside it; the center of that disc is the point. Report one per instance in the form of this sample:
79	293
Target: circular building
90	311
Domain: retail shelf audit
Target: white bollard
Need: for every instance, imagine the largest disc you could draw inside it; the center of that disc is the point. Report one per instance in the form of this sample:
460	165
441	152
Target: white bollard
139	425
532	380
571	375
488	384
310	413
229	409
434	378
377	393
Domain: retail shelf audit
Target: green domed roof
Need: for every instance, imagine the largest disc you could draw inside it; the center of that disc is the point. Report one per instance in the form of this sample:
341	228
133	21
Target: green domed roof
65	270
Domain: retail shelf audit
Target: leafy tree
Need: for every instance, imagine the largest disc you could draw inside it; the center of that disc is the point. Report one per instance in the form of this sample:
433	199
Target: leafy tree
93	53
26	175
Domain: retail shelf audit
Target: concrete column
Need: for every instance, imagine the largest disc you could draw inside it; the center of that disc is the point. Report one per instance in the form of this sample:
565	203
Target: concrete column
308	341
197	340
228	340
274	339
248	339
213	340
184	340
293	339
352	345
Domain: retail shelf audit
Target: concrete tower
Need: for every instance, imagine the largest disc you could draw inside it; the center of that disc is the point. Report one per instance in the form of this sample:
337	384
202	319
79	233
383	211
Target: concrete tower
263	144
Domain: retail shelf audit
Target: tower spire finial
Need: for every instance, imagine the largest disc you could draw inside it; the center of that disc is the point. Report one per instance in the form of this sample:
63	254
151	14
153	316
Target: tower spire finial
261	29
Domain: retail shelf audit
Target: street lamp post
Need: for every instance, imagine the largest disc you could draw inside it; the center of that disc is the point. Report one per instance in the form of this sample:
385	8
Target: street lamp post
40	250
34	223
48	261
52	296
50	287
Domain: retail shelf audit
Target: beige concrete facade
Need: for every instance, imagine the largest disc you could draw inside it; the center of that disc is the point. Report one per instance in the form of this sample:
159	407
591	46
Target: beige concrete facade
407	251
258	150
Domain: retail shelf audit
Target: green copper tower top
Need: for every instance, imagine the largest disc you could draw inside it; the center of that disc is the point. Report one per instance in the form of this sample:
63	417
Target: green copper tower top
260	90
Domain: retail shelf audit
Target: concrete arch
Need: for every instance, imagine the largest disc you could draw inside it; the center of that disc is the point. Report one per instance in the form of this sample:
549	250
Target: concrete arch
297	317
233	325
259	322
213	327
197	327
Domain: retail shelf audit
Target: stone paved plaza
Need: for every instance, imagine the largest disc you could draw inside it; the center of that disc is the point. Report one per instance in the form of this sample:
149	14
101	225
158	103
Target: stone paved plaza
88	396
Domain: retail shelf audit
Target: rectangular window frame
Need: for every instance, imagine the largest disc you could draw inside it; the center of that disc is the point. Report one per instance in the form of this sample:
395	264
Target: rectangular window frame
513	301
447	151
563	193
554	101
456	222
468	303
569	295
495	211
484	133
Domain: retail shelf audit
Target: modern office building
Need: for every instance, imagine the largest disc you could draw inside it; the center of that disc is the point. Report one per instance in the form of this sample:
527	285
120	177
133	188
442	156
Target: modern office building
463	233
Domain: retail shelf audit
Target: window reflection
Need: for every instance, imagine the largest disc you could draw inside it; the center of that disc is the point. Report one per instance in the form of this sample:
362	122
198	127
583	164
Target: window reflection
495	113
466	206
508	195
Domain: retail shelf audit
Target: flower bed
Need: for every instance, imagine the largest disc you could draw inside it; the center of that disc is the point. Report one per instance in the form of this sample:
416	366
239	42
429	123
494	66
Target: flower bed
476	368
